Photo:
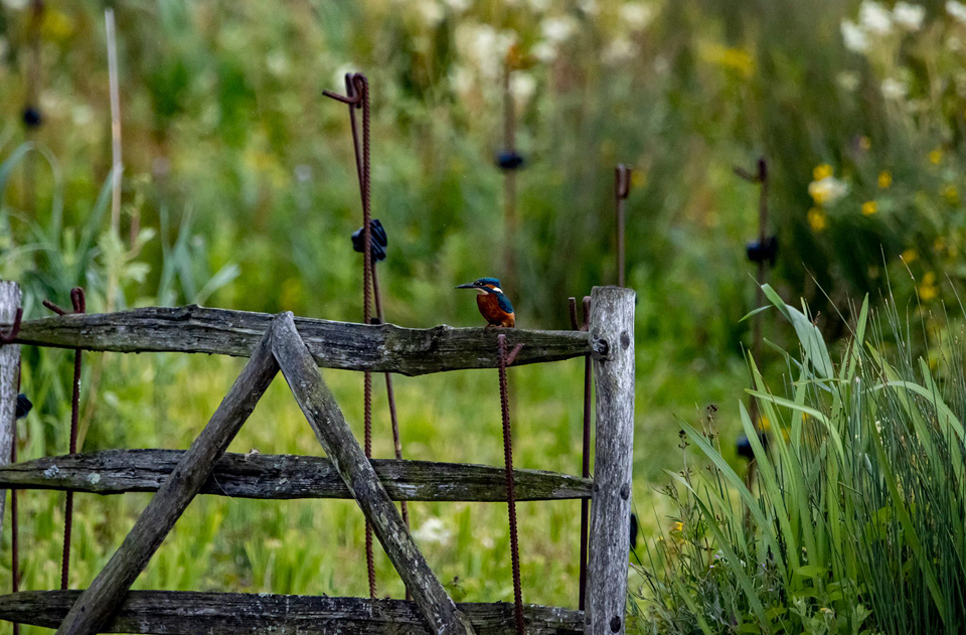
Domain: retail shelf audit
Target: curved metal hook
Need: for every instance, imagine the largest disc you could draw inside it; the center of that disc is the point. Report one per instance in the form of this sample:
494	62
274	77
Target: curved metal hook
356	86
79	300
622	183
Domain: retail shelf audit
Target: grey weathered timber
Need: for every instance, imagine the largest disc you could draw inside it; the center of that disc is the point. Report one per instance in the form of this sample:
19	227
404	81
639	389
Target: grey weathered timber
10	298
96	604
612	321
330	427
345	345
280	477
170	612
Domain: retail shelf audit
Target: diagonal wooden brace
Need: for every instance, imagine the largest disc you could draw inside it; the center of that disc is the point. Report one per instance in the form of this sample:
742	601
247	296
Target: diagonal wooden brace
96	604
325	417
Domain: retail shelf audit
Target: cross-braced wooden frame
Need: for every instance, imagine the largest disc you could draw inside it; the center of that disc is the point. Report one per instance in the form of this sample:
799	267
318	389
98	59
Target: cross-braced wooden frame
297	348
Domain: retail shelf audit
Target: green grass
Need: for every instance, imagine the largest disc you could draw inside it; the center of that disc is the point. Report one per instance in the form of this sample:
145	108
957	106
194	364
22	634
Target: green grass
855	524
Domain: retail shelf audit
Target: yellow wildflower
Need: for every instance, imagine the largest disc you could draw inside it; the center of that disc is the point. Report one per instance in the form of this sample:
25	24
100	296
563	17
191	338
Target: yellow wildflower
865	143
951	194
638	179
56	25
936	156
677	527
869	208
822	171
733	59
909	255
885	179
927	292
817	219
929	278
764	424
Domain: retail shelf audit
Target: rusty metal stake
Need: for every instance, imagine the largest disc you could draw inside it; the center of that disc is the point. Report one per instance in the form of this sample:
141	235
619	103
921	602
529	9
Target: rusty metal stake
14	514
622	188
357	89
79	303
506	360
585	448
14	531
761	178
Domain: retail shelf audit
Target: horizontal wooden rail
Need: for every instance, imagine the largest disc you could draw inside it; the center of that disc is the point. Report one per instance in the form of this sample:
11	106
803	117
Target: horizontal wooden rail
345	345
266	476
164	612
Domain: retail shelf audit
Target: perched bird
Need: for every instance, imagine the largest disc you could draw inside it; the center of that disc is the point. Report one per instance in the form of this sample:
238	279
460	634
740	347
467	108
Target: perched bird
494	305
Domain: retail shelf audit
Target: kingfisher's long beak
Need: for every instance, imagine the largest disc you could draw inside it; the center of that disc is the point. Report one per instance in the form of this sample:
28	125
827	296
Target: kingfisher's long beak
468	285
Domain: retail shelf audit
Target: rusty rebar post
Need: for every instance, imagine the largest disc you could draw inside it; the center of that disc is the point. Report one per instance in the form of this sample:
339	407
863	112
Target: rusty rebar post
390	395
622	188
14	530
509	187
585	447
505	360
79	303
32	116
357	88
761	178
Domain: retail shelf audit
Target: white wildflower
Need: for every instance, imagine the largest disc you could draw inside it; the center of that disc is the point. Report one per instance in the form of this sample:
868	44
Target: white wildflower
539	6
893	88
82	115
459	6
462	79
430	11
854	37
957	10
485	46
544	51
558	29
589	7
523	85
338	78
433	531
909	16
620	49
277	63
828	190
636	15
848	80
15	5
875	18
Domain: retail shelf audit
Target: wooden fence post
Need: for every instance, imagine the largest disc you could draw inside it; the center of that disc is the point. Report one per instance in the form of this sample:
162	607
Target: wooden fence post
10	298
612	321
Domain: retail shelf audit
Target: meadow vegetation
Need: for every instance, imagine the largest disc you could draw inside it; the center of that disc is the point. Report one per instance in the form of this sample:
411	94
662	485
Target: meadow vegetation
239	191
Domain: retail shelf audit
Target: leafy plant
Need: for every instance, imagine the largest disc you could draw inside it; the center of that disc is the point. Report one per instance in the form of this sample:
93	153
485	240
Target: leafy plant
855	523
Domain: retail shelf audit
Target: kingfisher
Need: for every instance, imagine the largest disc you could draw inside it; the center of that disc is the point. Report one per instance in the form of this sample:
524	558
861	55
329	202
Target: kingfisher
493	304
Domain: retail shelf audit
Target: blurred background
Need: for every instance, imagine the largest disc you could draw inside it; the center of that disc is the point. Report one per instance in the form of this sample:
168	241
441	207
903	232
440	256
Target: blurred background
238	190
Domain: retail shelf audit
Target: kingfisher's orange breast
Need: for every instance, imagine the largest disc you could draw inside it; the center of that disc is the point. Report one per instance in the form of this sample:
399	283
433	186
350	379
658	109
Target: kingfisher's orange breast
490	309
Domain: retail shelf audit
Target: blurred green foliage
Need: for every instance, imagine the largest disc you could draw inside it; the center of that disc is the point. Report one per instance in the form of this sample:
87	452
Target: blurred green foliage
239	190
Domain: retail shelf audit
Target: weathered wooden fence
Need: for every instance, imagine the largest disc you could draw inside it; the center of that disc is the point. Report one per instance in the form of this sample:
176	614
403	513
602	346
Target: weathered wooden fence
297	347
